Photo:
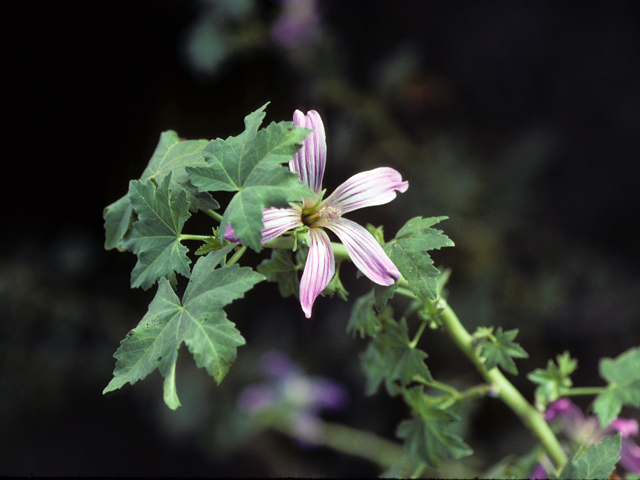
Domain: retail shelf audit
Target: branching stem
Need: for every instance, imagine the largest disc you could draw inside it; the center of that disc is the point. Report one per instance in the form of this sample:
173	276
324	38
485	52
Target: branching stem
510	395
532	418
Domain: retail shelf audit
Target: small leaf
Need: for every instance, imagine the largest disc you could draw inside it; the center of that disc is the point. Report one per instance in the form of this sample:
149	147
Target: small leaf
391	358
363	320
281	269
154	238
430	441
623	376
251	164
408	251
597	461
500	349
553	382
384	293
199	321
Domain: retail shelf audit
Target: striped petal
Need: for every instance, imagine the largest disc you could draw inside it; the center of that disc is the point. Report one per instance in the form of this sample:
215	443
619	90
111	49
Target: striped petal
276	222
366	189
365	252
310	160
318	270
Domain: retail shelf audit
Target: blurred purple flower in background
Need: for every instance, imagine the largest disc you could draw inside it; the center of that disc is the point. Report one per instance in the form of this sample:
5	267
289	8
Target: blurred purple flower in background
298	24
300	397
578	429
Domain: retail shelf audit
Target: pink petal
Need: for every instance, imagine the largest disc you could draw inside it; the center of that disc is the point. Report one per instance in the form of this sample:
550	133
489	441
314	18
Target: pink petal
276	222
630	456
309	162
365	252
318	270
366	189
628	427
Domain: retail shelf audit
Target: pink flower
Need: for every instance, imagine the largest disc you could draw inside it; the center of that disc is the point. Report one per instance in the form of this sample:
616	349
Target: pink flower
365	189
298	25
580	429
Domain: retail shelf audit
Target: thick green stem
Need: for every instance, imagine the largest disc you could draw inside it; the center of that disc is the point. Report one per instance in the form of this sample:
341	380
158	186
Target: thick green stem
531	417
510	395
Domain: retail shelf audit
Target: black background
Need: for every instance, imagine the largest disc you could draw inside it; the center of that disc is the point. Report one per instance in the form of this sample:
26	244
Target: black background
89	87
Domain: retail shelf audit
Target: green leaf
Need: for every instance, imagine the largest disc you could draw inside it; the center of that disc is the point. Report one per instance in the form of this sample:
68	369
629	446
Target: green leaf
391	358
118	218
500	349
211	244
430	441
553	382
199	321
335	286
171	156
280	268
384	293
623	376
597	461
155	237
409	253
363	319
251	164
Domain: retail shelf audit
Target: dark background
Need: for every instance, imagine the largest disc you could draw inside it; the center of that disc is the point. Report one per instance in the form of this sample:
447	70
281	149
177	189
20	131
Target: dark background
518	120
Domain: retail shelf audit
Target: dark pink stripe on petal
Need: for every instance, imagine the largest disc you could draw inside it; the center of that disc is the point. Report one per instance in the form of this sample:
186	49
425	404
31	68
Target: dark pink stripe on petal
310	161
365	252
318	270
279	220
276	221
366	189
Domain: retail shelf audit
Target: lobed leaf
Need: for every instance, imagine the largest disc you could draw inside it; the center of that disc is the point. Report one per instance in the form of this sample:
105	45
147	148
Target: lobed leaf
391	358
554	381
408	251
155	237
500	349
198	320
363	319
623	376
597	461
280	268
251	164
430	441
171	156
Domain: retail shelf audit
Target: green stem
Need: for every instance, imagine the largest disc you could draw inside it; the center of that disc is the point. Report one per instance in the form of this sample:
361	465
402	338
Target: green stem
185	236
237	255
445	388
418	334
585	391
351	441
510	395
214	215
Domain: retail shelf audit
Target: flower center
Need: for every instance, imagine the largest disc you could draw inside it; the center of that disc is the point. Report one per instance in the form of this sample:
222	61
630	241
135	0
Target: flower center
328	213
